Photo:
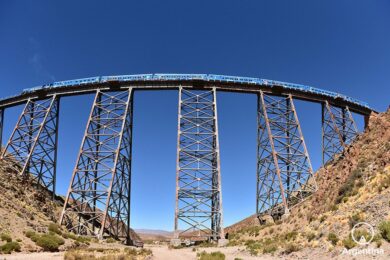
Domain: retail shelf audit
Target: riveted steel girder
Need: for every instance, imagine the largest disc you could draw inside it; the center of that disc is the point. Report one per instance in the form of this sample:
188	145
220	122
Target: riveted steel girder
98	200
198	211
33	143
284	172
338	130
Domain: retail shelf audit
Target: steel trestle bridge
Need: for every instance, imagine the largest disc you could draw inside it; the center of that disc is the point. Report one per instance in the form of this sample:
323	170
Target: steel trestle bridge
98	199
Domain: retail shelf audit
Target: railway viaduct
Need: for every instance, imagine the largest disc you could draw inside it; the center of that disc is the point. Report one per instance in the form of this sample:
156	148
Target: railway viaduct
98	199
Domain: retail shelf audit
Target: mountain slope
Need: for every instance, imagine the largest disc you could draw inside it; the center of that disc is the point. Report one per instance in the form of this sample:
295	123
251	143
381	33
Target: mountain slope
25	206
353	187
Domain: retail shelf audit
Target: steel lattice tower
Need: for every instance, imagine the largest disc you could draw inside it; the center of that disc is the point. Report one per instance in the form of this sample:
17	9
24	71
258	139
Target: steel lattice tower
338	130
284	172
98	199
198	177
33	142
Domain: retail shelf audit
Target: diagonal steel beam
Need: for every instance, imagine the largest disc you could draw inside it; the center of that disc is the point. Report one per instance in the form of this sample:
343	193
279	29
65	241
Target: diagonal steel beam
33	142
284	172
338	130
98	199
198	211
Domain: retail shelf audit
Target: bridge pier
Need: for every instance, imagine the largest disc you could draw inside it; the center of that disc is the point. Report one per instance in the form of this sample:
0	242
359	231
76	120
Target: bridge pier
198	212
1	128
98	199
33	142
338	130
284	171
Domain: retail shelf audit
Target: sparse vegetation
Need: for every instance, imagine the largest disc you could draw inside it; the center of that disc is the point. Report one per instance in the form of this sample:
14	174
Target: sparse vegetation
110	240
32	235
290	235
354	219
49	242
211	256
362	233
9	247
206	244
107	254
55	228
83	239
291	247
384	228
6	237
310	217
384	183
269	249
310	236
349	188
253	246
78	239
348	243
332	237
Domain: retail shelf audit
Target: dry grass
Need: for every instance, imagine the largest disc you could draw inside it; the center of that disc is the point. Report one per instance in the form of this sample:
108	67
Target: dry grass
107	254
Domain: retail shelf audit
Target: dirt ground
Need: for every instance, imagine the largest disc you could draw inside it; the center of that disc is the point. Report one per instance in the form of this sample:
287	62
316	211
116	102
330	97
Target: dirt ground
162	252
34	256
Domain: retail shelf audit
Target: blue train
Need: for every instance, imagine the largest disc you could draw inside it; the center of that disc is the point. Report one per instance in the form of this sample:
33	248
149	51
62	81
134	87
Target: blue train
186	77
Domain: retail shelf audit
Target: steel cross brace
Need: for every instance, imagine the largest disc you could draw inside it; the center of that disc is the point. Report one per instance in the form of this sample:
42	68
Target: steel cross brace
98	199
33	142
338	130
284	172
198	211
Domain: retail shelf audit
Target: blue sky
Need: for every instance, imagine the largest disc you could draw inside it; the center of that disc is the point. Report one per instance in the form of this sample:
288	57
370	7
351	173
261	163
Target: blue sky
341	46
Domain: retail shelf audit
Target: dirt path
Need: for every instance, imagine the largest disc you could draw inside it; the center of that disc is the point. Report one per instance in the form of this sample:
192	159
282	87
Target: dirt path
164	253
160	252
34	256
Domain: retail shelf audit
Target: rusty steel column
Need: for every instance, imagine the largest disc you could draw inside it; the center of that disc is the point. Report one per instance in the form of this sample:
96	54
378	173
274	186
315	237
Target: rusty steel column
33	142
1	127
198	213
98	199
284	172
366	121
339	130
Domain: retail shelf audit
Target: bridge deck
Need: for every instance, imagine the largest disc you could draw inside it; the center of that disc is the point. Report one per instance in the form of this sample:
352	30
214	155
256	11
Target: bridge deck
172	81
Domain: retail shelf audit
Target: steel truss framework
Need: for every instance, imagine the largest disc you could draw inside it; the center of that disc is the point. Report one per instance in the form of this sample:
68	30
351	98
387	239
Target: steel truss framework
98	199
338	130
33	143
198	177
284	172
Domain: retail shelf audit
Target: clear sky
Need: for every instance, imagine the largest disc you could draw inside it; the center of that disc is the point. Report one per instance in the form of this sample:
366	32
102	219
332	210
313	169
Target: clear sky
341	46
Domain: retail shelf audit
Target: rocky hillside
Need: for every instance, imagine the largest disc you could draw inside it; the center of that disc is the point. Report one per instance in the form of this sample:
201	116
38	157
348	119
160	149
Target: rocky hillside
23	207
354	187
29	216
